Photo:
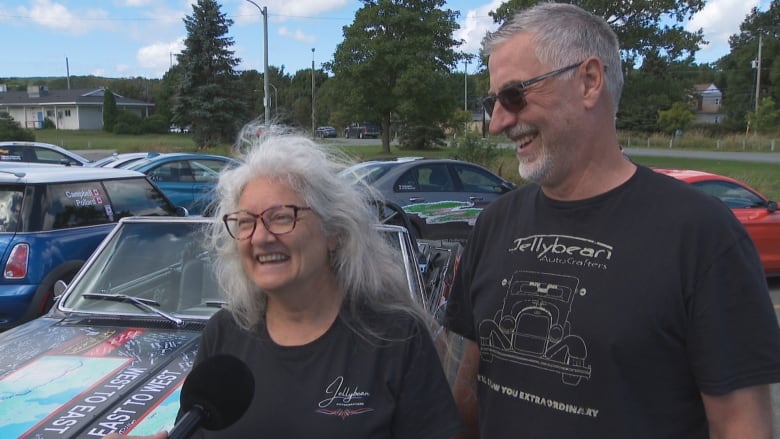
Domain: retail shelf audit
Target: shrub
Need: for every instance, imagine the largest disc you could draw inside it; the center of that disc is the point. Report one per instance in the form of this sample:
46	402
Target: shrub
471	147
128	122
420	137
48	124
10	130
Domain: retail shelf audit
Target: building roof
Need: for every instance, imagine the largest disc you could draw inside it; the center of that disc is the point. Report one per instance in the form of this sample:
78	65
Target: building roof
44	96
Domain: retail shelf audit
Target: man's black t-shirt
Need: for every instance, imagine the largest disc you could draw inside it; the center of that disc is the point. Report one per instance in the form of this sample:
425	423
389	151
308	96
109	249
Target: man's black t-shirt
340	385
607	317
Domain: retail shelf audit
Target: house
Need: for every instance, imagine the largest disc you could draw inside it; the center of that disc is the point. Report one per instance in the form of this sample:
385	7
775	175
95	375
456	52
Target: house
80	109
707	104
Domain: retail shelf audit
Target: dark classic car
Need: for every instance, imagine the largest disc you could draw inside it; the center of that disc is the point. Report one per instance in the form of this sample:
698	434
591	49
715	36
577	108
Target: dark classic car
113	353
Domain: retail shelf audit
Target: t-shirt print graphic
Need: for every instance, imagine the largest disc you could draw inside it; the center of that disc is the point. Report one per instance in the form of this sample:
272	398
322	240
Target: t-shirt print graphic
533	328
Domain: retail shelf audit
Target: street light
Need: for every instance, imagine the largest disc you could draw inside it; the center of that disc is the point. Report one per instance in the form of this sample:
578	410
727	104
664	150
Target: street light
266	83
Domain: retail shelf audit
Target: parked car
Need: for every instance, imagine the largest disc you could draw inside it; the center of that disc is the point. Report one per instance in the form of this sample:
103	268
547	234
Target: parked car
362	131
39	152
113	353
325	131
442	197
118	160
188	179
52	218
755	211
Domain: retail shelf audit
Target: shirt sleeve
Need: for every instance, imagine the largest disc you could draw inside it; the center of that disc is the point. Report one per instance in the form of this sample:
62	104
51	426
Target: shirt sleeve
425	408
733	338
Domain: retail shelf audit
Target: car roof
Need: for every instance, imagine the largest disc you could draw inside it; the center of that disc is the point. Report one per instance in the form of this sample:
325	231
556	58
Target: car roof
168	156
16	172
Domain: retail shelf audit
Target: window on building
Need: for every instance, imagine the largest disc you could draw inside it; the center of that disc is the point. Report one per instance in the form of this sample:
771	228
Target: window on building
67	113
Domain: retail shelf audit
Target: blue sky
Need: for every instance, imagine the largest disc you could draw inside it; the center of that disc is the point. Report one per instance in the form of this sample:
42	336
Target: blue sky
128	38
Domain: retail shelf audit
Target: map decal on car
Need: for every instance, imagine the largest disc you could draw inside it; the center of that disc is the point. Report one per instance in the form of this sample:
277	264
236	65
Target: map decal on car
444	211
97	385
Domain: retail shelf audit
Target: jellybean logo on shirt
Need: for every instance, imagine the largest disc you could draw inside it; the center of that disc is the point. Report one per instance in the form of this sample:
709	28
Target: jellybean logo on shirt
343	400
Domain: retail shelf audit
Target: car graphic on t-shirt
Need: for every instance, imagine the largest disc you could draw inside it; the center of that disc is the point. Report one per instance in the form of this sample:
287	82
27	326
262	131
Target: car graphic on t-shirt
533	327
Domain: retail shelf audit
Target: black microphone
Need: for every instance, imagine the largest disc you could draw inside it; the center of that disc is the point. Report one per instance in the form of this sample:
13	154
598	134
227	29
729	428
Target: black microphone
215	394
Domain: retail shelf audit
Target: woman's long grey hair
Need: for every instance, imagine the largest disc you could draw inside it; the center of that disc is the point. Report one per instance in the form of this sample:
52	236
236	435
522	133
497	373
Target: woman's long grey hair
565	34
370	273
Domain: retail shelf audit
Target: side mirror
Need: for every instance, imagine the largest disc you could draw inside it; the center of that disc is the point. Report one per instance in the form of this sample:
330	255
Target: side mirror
771	206
59	287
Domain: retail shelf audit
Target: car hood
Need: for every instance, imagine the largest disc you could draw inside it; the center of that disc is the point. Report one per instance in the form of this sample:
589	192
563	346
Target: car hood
71	379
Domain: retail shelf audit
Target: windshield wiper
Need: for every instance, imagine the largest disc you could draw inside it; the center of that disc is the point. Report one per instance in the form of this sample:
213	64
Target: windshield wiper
143	303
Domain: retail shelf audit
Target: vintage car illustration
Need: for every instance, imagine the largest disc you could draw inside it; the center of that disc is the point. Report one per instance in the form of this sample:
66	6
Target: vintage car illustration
533	327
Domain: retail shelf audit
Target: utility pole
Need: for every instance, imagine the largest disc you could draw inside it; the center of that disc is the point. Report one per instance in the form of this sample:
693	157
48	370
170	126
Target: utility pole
313	97
466	84
758	73
266	80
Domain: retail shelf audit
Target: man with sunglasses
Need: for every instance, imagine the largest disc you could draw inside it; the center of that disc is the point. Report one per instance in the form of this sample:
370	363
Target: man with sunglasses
601	299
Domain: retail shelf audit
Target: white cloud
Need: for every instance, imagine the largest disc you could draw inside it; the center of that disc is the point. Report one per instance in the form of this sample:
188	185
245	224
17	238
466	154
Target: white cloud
137	3
474	24
284	10
719	19
297	35
158	57
57	16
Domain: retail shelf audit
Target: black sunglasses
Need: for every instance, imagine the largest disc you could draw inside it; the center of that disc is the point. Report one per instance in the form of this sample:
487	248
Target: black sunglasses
512	96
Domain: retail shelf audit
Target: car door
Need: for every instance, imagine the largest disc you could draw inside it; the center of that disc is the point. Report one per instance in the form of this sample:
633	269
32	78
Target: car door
430	192
176	180
477	185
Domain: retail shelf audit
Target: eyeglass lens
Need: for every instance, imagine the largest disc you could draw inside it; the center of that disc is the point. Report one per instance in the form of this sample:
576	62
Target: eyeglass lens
512	96
277	220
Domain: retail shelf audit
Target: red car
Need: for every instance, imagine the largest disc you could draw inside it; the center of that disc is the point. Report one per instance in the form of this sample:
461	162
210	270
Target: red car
756	212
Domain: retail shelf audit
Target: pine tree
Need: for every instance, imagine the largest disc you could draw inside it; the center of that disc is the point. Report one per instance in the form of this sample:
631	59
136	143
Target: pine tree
110	111
207	98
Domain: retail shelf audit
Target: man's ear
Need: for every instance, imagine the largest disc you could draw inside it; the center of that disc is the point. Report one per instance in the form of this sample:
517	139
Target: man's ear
594	75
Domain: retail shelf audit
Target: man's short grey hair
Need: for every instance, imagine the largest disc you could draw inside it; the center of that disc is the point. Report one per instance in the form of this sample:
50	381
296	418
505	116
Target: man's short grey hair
565	34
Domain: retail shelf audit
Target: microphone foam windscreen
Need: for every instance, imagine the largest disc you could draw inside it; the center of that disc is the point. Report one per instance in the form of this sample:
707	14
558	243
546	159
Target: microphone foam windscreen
223	386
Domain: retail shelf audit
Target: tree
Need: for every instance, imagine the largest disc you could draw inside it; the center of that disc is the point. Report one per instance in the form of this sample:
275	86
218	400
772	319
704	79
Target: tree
739	66
208	98
676	118
109	110
10	129
391	61
641	26
766	119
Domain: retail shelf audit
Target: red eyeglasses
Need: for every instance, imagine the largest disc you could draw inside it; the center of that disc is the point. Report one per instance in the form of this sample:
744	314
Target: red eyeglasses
512	96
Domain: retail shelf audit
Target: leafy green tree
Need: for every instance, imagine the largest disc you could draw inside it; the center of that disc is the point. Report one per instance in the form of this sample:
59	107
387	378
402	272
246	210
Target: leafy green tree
10	130
642	26
676	118
392	60
208	98
109	110
766	119
739	67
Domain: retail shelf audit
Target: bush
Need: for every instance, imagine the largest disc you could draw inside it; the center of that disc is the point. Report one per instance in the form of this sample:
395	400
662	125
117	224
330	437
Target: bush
48	124
155	124
420	137
471	147
10	130
128	122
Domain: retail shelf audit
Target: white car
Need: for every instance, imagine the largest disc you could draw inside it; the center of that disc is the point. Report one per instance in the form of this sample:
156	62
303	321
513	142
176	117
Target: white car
39	152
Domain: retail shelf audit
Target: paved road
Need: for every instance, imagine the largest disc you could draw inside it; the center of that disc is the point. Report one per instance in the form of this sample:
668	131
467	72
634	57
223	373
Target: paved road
766	157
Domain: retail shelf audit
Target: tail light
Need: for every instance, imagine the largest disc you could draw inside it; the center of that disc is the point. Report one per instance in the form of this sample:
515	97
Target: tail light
16	267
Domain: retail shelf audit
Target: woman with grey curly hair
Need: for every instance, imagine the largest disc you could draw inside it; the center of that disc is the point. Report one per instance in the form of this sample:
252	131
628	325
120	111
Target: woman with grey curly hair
318	304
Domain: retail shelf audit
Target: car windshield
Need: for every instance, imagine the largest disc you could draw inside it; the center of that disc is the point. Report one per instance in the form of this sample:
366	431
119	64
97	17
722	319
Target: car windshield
368	172
157	263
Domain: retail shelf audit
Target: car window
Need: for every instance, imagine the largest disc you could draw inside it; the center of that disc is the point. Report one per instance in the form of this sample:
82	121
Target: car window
206	171
733	195
75	204
427	178
10	206
171	172
475	179
136	196
44	155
